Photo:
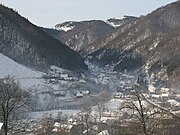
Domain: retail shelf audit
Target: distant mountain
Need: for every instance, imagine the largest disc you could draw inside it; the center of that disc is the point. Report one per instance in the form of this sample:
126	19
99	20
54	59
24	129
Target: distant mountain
27	44
78	35
119	21
67	26
114	22
152	40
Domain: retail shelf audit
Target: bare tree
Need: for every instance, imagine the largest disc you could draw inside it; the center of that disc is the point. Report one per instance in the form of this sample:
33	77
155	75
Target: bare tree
85	117
12	97
145	115
47	124
101	109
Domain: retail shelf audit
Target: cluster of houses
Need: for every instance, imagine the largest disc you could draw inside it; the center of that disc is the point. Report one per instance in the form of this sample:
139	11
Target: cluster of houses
65	127
56	74
166	97
71	126
82	93
163	96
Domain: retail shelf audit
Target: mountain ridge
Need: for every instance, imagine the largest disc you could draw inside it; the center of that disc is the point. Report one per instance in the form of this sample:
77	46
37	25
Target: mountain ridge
155	37
27	44
78	35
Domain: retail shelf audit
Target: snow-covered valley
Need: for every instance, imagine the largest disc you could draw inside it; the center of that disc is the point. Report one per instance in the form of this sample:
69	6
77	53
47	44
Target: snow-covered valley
62	89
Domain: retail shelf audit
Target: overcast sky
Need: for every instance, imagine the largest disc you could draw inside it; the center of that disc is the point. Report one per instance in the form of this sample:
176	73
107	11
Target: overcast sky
50	12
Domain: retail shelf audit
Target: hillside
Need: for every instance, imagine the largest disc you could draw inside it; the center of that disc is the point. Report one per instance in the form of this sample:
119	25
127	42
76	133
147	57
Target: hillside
79	35
153	39
24	75
27	44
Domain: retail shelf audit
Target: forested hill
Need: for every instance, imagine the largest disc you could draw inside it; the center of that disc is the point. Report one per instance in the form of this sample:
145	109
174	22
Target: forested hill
27	44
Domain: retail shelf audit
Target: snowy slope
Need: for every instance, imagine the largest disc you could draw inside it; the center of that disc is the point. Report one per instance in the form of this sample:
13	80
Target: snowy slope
66	26
115	21
26	76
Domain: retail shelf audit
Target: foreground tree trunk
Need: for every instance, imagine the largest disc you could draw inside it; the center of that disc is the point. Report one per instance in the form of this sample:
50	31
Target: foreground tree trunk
12	97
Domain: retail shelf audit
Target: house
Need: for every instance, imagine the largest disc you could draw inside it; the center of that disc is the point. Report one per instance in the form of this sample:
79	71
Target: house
173	102
119	95
105	132
155	95
106	114
72	121
151	89
79	95
58	93
178	95
82	81
164	95
85	92
64	75
166	90
91	130
58	127
1	124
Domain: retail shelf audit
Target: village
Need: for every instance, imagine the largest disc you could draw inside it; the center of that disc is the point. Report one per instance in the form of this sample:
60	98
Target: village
98	112
113	116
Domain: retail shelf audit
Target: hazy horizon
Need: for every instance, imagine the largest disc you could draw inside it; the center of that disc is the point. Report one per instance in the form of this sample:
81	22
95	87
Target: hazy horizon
48	13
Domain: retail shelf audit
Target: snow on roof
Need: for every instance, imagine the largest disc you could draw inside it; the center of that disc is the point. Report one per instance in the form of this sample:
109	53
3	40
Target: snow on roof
74	123
84	92
52	67
79	94
165	95
173	102
70	120
105	132
156	95
69	126
55	130
165	89
1	124
151	88
82	81
57	124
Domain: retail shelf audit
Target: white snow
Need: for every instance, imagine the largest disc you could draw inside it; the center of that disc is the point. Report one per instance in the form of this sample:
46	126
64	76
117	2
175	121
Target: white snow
112	24
173	102
65	28
57	124
54	113
27	77
151	88
1	124
115	18
105	132
154	45
119	17
114	104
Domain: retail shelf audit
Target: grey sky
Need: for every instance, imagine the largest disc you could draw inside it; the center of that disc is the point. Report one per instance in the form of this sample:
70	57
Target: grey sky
50	12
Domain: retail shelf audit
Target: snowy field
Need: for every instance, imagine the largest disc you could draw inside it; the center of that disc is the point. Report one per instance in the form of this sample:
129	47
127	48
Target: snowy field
53	113
27	77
